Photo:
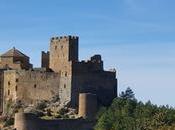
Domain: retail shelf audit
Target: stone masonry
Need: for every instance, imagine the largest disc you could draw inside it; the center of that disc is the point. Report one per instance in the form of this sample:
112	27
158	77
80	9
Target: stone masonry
61	74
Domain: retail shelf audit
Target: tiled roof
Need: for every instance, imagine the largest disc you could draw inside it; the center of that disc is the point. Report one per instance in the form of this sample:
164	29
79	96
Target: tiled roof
13	53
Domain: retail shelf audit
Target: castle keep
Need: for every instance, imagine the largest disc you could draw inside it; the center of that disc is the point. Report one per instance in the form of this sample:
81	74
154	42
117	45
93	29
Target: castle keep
61	74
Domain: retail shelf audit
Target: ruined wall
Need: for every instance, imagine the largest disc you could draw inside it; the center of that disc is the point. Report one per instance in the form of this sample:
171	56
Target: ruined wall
45	59
63	52
30	86
31	122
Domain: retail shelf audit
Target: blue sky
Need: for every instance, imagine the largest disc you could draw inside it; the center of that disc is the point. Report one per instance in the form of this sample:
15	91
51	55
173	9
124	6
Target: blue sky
134	36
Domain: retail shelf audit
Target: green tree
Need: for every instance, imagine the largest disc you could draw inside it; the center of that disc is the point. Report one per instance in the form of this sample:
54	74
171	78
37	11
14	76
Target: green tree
126	113
127	94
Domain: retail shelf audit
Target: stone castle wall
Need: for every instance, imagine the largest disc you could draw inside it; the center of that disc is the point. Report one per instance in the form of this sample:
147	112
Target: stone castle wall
103	84
30	86
90	77
29	121
1	90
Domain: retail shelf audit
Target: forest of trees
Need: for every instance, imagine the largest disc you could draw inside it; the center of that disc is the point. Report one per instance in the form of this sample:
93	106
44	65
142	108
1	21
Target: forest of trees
126	113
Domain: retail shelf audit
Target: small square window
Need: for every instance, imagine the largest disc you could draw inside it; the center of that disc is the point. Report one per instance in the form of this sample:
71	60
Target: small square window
8	82
17	80
64	85
8	92
65	74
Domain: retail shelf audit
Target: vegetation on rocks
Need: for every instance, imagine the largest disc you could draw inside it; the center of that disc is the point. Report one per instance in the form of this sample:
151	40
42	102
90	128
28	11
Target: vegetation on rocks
51	109
43	109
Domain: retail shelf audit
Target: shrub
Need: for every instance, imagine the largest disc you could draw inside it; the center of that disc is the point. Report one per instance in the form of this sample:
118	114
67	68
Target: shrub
9	122
41	105
63	111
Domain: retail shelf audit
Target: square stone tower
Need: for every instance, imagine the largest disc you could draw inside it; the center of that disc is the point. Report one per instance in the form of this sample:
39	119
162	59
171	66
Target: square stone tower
63	53
63	50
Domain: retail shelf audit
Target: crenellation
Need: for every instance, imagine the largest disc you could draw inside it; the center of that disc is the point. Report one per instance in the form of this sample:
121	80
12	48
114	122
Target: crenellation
113	70
64	38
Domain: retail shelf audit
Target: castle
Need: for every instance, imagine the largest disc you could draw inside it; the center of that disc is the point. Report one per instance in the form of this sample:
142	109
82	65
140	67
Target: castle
61	74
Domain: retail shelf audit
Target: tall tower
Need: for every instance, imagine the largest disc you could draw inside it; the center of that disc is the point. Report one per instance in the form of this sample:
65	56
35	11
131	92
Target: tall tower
63	53
63	50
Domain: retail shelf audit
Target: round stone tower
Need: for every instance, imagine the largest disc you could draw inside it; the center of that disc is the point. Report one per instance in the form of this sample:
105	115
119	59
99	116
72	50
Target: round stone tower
25	121
87	105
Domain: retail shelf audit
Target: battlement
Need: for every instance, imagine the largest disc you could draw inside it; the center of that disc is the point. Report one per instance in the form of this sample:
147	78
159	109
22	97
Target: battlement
64	38
43	52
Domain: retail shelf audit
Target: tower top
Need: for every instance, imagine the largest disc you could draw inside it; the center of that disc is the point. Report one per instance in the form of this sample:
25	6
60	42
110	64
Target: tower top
65	38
